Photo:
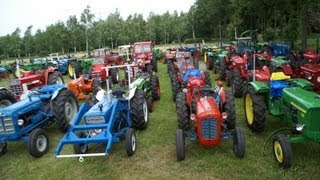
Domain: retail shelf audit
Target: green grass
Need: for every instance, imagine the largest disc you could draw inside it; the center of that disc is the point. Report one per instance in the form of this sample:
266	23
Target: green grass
156	158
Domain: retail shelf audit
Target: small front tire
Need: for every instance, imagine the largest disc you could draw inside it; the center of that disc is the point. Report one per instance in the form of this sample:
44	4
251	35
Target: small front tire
130	143
38	143
282	151
238	143
180	145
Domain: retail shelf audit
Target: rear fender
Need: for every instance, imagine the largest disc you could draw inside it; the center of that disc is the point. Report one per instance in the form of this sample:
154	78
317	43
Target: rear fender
132	91
55	94
302	83
286	69
259	87
47	72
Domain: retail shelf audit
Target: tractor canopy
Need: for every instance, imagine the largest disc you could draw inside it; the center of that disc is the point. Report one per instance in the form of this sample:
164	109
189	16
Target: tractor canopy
191	73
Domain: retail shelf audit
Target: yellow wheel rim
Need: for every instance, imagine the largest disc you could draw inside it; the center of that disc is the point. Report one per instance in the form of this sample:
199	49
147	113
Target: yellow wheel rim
70	70
249	109
205	57
21	72
278	151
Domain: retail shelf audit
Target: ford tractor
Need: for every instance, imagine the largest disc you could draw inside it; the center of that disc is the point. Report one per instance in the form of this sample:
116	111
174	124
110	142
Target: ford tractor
290	100
207	114
25	120
107	118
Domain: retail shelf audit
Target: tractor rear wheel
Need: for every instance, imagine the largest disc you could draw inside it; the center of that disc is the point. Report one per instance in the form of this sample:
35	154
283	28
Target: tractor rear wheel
154	63
222	69
175	86
73	69
3	148
114	73
209	63
255	110
228	78
15	72
64	108
150	103
180	145
95	86
38	143
55	78
131	142
183	112
155	87
237	84
238	142
6	98
80	148
230	108
282	151
207	78
139	110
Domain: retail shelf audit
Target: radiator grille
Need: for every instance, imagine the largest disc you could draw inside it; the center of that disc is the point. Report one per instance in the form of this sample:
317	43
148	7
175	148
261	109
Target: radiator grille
15	87
209	128
6	125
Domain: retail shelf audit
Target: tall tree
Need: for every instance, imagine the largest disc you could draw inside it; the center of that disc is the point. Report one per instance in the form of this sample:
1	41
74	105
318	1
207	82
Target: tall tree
86	19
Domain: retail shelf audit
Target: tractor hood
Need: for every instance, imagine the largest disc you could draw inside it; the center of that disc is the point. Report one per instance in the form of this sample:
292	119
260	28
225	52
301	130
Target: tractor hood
100	112
302	99
145	56
207	108
21	106
278	61
98	67
311	68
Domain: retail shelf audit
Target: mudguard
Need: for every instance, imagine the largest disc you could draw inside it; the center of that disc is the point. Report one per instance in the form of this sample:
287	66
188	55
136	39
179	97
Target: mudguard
259	87
302	83
56	92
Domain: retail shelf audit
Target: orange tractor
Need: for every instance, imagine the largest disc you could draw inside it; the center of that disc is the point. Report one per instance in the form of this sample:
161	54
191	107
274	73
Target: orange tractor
82	86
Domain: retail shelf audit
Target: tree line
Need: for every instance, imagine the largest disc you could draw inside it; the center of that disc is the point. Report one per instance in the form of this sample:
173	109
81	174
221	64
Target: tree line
206	19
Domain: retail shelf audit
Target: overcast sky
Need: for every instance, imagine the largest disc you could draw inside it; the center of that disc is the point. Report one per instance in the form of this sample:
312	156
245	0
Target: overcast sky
41	13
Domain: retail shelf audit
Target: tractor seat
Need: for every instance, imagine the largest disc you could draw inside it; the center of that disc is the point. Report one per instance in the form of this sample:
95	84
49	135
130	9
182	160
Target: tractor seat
278	76
277	83
118	93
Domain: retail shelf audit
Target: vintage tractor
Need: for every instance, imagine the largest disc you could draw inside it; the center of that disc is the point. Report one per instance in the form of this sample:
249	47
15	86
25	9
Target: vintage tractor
106	119
248	68
34	65
82	86
32	80
144	56
24	120
207	114
290	100
6	97
212	56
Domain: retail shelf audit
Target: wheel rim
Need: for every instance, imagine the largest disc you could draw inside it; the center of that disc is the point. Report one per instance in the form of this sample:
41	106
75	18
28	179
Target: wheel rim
249	109
21	72
133	142
5	103
145	111
70	70
278	151
59	80
41	143
70	109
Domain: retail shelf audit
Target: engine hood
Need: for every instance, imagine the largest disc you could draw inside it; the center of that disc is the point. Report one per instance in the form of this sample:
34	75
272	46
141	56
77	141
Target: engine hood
312	68
20	106
207	108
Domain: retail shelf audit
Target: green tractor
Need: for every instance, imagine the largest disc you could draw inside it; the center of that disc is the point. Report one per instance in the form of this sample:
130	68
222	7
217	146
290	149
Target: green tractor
212	56
289	99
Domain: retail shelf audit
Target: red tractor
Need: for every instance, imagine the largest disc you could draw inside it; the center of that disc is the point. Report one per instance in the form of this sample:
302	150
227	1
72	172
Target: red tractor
248	68
34	79
144	57
109	57
207	114
98	71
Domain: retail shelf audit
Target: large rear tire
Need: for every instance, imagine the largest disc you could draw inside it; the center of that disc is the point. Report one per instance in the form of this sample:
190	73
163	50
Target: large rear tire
237	84
223	69
73	68
209	62
183	112
154	63
207	78
155	87
255	110
64	108
175	86
6	98
55	78
95	86
139	111
114	73
230	108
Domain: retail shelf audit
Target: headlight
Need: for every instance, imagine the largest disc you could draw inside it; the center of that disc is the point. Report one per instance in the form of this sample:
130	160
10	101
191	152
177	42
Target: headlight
20	122
318	79
299	127
309	77
94	119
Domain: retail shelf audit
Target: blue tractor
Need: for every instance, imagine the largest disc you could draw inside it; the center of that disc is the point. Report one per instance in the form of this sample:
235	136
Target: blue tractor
106	118
24	120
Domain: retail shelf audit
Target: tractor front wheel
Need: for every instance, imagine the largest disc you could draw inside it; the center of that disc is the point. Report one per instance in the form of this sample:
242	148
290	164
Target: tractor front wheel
64	108
222	69
255	110
180	145
175	86
38	144
207	78
155	87
6	98
55	78
131	141
3	148
95	86
230	108
238	142
237	83
139	110
154	63
114	73
80	148
282	151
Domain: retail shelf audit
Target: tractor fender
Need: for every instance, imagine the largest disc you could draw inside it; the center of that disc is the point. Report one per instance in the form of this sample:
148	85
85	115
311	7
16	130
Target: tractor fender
132	91
302	83
3	88
286	69
55	94
259	87
47	72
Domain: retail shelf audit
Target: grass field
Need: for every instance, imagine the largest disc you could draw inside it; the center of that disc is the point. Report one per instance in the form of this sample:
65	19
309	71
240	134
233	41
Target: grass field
156	158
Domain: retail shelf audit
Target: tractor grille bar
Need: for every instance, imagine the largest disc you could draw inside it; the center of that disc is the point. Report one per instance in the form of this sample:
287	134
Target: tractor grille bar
209	128
15	87
6	125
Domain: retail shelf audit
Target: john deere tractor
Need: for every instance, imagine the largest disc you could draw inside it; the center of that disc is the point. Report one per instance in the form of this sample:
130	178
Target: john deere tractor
292	101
